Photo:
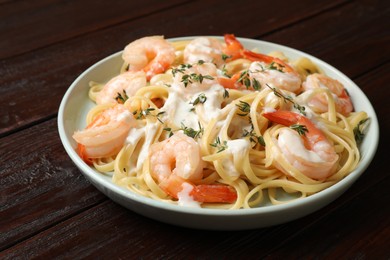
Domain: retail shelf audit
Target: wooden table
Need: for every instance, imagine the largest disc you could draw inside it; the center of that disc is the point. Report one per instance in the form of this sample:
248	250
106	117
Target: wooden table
48	209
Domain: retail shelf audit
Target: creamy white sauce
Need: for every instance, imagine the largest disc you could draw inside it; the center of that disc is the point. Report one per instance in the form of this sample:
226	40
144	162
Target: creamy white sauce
135	135
184	197
290	140
269	109
237	148
212	107
178	109
150	133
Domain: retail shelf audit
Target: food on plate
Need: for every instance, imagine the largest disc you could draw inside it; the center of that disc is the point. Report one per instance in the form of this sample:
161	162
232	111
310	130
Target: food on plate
209	123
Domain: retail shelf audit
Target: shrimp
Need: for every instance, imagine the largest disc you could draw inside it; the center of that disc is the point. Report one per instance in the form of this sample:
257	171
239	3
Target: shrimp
105	135
233	47
264	69
310	152
152	54
319	103
124	84
204	48
176	164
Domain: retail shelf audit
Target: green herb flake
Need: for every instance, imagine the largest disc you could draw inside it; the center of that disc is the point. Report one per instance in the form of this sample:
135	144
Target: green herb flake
200	99
244	107
286	99
360	130
121	98
301	129
220	146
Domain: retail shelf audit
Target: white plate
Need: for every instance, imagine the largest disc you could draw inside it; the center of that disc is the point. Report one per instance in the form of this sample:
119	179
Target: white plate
75	105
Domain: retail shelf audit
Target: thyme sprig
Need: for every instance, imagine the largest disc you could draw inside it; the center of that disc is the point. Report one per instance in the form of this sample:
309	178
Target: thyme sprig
191	77
221	146
225	93
256	139
191	132
360	130
301	129
247	81
142	114
287	98
200	99
181	69
121	98
253	137
276	66
244	107
225	56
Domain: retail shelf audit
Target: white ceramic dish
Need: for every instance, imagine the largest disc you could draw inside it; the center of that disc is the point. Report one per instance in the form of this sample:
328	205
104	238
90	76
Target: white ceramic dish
73	110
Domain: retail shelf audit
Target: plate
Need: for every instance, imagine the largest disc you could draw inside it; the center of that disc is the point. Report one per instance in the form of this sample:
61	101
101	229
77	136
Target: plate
75	105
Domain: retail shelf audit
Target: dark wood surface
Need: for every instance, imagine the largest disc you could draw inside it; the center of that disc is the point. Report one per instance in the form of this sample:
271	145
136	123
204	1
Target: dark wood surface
48	209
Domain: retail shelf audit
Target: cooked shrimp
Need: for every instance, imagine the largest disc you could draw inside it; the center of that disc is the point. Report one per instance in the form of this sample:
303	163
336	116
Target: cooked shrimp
233	47
267	74
265	69
105	135
151	54
319	103
310	152
124	84
206	49
176	164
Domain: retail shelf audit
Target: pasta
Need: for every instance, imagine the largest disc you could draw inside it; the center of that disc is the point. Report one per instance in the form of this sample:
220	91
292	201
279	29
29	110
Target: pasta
208	123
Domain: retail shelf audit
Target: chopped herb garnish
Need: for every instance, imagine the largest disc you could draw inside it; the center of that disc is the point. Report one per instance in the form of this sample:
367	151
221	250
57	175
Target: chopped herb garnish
360	130
121	98
276	66
247	81
301	129
256	139
225	56
286	99
192	132
169	130
200	99
141	114
181	68
244	107
225	93
220	146
225	72
192	77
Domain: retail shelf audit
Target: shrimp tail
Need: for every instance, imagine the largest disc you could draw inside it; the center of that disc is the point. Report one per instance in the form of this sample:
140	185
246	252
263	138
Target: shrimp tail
288	118
233	47
214	193
283	117
83	155
254	56
209	193
230	83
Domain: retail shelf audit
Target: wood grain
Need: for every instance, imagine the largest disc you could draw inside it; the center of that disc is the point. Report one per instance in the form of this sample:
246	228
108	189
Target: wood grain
49	210
29	25
40	186
51	70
